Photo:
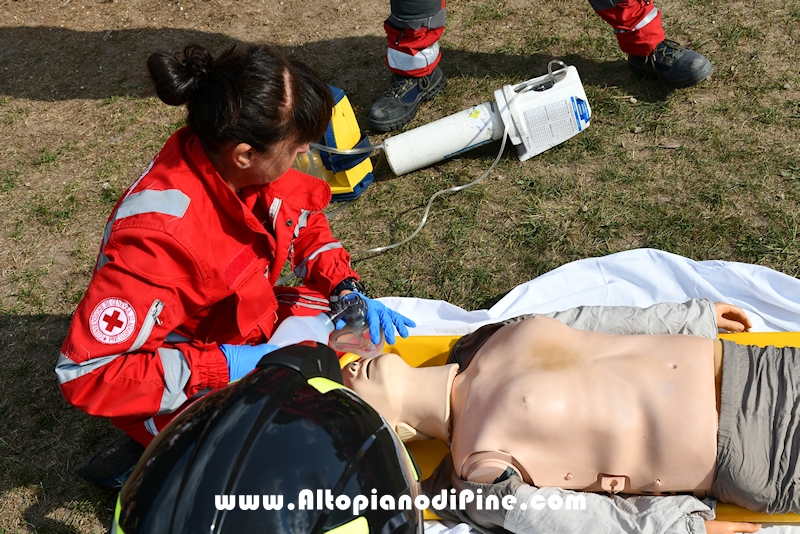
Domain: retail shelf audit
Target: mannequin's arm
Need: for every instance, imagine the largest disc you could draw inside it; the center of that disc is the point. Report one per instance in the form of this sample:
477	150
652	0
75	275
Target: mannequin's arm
557	511
486	466
694	317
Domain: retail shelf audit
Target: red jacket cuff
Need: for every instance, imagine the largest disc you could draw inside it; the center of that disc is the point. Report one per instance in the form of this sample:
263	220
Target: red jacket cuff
211	373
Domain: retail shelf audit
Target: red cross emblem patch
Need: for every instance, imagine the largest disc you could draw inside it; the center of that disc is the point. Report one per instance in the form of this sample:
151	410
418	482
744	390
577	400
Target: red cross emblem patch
112	321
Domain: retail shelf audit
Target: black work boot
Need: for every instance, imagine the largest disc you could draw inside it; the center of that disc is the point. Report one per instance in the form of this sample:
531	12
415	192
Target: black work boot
675	65
111	465
398	105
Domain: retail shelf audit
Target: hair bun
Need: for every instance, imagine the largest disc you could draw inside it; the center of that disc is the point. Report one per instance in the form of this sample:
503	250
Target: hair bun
249	94
176	79
197	59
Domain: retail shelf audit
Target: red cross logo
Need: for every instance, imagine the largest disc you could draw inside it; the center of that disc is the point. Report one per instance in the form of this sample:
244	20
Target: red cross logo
112	321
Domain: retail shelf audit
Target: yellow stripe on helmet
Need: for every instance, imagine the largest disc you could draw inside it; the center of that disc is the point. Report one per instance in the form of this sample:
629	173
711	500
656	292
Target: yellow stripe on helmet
358	525
324	385
115	528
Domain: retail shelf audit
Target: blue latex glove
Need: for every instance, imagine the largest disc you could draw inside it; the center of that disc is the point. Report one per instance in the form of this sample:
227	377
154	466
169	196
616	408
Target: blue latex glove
379	316
243	358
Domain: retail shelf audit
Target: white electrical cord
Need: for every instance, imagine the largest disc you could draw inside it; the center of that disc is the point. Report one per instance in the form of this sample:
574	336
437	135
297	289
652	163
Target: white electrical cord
433	197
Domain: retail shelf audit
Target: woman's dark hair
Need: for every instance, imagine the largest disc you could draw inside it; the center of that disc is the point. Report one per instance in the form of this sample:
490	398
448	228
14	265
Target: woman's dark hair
248	94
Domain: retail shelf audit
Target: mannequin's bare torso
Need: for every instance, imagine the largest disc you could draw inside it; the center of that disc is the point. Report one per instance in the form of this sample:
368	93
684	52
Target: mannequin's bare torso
587	411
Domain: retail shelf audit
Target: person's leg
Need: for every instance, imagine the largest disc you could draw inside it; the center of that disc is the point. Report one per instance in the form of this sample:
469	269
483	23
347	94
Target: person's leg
412	32
111	465
145	430
758	454
636	24
640	33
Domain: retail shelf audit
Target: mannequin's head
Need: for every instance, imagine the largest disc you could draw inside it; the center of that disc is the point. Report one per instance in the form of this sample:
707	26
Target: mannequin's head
415	401
381	382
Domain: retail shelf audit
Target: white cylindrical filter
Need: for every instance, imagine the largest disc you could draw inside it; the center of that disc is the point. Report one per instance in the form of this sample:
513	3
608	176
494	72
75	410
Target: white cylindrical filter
444	138
295	329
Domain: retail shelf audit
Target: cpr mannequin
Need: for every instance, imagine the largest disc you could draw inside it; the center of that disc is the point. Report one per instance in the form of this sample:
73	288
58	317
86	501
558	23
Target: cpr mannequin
568	408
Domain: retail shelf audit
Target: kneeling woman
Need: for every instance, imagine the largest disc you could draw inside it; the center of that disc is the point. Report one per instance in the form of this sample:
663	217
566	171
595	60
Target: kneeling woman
183	299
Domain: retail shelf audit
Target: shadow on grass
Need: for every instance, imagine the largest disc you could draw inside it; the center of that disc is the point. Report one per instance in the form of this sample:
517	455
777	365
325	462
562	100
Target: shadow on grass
103	65
42	439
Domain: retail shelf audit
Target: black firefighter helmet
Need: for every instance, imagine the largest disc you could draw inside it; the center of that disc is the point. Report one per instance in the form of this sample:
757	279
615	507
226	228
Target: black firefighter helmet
285	450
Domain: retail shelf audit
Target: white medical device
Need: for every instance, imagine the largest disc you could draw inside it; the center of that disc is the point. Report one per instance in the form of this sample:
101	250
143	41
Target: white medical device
538	114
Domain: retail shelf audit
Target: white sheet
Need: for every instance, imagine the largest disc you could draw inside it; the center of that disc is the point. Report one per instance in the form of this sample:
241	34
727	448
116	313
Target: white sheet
633	278
638	277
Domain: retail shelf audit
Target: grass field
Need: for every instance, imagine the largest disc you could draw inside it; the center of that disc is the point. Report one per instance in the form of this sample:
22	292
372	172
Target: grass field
711	172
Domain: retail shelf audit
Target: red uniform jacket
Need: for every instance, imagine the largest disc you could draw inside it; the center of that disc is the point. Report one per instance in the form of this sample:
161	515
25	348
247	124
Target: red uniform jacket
185	265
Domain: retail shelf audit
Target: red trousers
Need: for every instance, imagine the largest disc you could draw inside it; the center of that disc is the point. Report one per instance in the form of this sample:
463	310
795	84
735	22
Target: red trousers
415	26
